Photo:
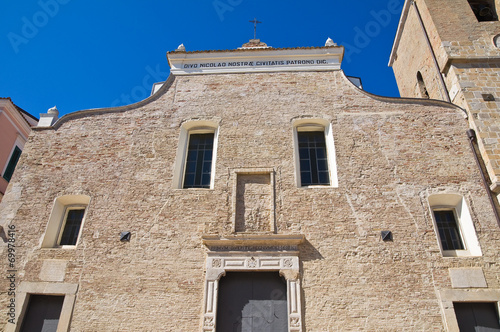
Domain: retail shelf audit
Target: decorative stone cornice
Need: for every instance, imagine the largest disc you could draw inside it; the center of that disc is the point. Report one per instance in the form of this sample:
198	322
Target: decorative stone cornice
253	242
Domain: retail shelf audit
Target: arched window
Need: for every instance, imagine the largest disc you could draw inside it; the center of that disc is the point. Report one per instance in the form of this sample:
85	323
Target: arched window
66	221
484	10
195	161
421	86
314	153
454	226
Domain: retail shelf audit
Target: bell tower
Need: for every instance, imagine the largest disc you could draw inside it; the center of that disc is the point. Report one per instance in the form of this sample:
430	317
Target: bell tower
450	50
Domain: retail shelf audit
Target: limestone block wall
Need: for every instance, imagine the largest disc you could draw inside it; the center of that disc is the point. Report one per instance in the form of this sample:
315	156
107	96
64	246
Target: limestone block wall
391	155
413	55
479	91
454	31
460	34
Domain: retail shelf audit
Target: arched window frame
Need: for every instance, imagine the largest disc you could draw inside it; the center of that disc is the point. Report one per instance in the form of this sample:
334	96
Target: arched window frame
422	89
188	128
319	125
57	219
484	10
457	204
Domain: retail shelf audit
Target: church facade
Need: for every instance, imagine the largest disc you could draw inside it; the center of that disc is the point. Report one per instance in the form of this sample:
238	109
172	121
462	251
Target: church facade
257	190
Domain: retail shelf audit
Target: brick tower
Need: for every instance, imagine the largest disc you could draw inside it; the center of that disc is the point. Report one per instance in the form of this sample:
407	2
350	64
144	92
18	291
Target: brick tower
450	50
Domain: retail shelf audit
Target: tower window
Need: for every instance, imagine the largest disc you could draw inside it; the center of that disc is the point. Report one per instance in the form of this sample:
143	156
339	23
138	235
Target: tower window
421	86
484	10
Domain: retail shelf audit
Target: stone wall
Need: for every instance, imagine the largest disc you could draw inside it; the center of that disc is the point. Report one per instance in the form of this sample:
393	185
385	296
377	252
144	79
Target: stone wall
413	55
469	62
391	155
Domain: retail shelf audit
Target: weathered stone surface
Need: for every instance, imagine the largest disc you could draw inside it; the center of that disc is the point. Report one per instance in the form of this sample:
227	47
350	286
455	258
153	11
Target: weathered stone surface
391	154
254	203
468	60
53	270
467	278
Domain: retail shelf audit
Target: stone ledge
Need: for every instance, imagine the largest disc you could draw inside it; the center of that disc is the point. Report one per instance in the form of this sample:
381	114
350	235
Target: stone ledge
253	240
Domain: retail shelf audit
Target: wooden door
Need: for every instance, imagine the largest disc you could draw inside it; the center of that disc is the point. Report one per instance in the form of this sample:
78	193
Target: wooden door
43	313
252	302
476	316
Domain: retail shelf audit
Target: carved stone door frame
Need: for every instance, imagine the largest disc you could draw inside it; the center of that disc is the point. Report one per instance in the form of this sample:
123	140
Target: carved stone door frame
253	254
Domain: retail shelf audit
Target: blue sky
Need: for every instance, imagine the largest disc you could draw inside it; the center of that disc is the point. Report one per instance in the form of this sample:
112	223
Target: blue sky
89	54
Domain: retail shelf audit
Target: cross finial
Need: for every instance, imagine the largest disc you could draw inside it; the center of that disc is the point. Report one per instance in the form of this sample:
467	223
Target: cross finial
255	27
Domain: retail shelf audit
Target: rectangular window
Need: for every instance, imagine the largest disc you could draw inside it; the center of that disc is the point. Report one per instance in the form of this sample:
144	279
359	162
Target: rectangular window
71	226
199	161
11	166
448	229
484	10
313	158
477	316
43	313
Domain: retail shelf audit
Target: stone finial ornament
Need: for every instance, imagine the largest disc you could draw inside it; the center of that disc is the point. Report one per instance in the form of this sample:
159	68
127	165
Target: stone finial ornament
329	42
53	110
181	48
49	118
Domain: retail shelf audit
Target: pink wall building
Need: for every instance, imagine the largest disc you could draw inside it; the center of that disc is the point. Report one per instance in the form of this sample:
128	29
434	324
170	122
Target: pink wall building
15	126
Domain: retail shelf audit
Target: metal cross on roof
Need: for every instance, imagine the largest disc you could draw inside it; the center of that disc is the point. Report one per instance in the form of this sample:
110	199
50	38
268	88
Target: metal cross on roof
255	27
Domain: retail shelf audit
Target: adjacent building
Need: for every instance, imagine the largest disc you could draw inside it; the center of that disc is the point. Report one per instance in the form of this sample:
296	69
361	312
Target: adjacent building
15	127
